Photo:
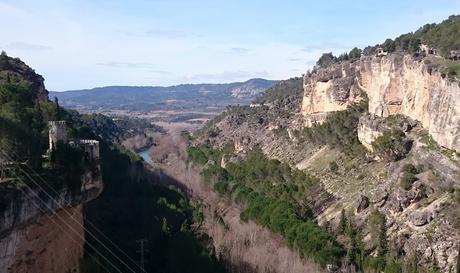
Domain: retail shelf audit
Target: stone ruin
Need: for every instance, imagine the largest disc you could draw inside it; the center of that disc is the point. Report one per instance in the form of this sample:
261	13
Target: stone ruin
58	132
379	52
425	49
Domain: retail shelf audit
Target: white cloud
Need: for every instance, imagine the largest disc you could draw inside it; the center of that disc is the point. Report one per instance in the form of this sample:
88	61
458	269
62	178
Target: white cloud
27	46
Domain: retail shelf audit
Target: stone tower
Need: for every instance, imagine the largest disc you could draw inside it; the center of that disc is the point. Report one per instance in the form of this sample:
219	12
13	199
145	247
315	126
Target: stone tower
57	132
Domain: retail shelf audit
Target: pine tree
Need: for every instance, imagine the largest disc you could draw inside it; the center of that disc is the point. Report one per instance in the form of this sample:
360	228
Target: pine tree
343	222
58	108
383	242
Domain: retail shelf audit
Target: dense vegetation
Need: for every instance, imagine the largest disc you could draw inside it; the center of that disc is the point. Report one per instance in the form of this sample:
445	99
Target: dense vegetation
133	207
392	145
281	199
24	130
130	208
283	92
328	58
275	196
22	122
339	130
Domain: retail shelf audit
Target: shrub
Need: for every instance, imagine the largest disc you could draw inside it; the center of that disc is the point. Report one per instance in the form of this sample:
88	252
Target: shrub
202	154
333	167
392	145
408	178
221	187
339	130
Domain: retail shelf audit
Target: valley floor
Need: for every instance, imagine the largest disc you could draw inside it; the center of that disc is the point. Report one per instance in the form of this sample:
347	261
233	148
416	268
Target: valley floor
244	246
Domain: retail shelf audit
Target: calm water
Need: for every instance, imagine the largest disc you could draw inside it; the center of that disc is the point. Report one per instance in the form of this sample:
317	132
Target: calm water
145	155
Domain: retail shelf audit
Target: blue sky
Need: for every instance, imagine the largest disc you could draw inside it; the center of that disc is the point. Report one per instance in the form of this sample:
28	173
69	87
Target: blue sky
90	43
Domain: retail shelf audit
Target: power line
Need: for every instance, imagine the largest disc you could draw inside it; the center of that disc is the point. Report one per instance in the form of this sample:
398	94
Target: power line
89	232
61	228
70	216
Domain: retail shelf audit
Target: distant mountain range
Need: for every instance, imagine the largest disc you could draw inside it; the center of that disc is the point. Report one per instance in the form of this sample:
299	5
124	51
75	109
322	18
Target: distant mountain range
188	97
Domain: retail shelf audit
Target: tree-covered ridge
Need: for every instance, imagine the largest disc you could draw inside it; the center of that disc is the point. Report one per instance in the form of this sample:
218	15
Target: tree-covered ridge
275	196
444	37
283	92
15	71
24	117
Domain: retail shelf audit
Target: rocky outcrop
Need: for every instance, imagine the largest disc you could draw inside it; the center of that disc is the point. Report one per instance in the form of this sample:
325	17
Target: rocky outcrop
394	84
370	127
362	203
15	71
328	90
52	243
43	231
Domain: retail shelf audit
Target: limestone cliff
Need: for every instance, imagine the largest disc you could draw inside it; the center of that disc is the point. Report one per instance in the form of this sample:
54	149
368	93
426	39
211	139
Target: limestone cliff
394	84
43	246
43	231
421	217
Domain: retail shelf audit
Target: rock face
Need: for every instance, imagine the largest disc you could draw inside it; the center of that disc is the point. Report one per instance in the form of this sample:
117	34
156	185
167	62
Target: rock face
362	203
329	90
370	127
394	84
43	246
43	232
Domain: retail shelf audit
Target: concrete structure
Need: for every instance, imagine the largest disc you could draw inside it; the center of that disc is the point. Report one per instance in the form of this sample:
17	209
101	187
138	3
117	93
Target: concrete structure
380	52
57	132
91	148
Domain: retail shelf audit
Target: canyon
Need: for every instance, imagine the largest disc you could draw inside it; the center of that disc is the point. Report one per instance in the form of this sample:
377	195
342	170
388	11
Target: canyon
401	92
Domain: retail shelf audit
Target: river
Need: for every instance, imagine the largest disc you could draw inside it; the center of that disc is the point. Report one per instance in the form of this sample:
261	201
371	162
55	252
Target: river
145	155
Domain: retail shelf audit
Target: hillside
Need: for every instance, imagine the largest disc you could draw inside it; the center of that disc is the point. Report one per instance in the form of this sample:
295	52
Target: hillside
190	97
366	148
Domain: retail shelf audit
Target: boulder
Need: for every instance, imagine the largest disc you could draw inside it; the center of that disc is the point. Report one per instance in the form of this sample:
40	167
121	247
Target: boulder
379	197
420	218
362	203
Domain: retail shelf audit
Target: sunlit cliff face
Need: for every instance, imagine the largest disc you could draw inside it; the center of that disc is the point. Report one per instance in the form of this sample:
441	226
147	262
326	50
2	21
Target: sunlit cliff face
394	85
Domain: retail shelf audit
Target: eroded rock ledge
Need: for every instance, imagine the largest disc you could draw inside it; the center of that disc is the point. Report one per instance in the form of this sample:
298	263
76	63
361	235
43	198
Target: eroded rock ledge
394	84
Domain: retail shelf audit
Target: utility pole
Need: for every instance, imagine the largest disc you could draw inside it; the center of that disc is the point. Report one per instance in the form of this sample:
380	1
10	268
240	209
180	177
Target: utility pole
142	252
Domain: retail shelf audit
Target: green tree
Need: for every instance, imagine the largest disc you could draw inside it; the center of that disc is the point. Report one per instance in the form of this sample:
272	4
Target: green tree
342	222
58	108
392	145
326	59
355	53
